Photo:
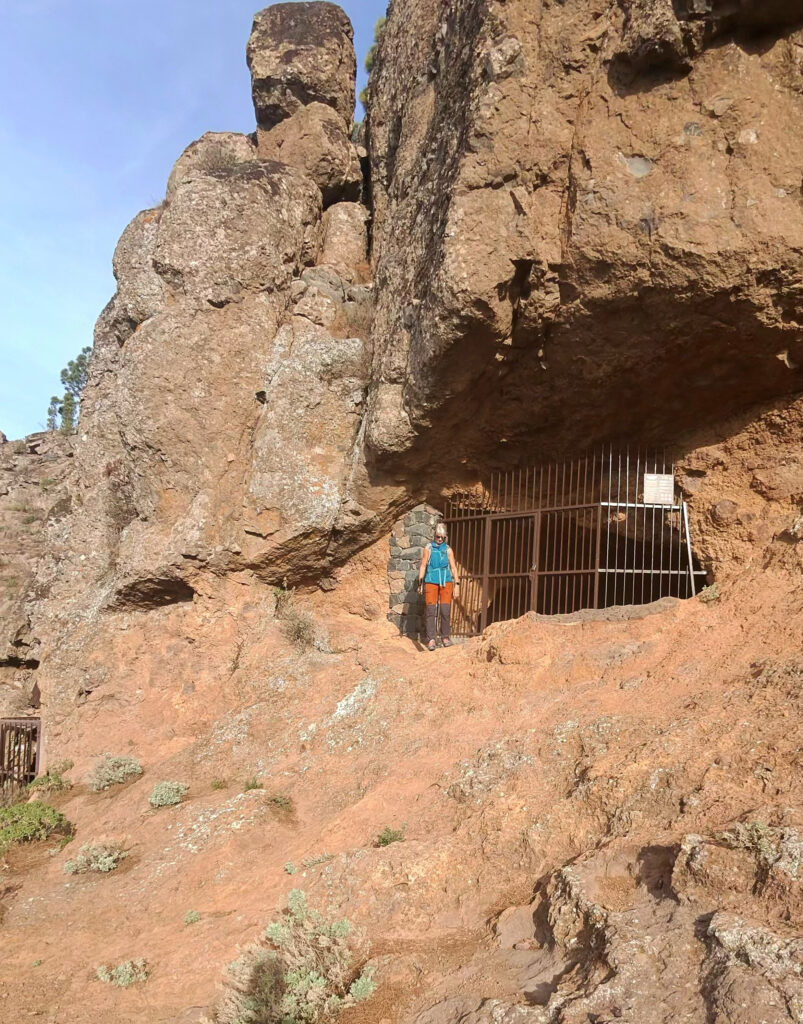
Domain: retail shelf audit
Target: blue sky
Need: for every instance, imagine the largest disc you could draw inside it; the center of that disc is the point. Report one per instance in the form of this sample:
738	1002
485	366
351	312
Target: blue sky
97	99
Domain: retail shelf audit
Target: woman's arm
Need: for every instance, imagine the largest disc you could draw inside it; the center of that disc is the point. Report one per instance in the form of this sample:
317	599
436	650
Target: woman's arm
422	568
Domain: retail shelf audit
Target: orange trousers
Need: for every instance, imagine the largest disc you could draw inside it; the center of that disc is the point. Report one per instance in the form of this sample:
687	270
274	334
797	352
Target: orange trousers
434	595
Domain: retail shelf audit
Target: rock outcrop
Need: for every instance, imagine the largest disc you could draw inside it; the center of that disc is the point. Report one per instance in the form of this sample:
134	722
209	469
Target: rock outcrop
587	221
230	368
35	494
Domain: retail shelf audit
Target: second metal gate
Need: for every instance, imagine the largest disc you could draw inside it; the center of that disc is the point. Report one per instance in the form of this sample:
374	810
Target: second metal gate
604	530
19	751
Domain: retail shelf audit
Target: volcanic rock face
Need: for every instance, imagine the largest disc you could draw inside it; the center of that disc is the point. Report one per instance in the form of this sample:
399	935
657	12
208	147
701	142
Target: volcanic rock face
591	203
229	374
34	493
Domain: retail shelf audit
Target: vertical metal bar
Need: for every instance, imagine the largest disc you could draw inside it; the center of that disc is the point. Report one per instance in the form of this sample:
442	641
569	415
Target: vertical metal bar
596	559
535	562
486	558
688	549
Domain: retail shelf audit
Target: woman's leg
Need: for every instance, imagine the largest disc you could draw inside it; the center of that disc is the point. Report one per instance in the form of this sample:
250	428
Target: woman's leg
446	611
431	618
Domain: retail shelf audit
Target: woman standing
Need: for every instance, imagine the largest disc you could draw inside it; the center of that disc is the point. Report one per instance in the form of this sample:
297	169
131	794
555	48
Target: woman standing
437	576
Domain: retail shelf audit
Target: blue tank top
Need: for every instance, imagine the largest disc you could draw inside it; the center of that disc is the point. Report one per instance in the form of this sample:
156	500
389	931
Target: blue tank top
438	570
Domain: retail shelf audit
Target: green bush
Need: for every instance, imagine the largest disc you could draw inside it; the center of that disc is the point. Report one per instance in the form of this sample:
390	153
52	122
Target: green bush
130	972
252	783
166	794
113	769
192	917
311	969
102	858
53	780
219	783
281	802
390	835
25	823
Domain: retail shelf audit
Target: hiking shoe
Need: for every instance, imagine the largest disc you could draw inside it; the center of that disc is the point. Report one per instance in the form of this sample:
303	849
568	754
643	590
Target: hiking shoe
431	645
446	642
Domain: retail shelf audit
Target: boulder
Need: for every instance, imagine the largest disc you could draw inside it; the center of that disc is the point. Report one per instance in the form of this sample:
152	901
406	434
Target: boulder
214	151
344	242
314	140
301	53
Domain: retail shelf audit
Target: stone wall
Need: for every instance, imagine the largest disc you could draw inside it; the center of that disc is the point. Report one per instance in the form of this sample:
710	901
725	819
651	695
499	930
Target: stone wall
407	542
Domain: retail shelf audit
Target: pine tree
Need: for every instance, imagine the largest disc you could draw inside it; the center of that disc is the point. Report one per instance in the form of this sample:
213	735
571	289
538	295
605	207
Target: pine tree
53	413
74	376
62	413
69	409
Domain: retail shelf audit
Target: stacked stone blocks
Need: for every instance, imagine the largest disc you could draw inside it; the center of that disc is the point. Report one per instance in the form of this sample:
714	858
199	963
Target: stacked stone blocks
407	541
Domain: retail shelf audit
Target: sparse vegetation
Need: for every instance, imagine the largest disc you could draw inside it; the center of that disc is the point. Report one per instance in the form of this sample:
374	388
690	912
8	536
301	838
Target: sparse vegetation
167	794
219	784
754	836
53	781
290	868
192	917
709	594
310	969
102	858
130	972
390	835
112	770
27	822
252	783
320	858
281	802
297	626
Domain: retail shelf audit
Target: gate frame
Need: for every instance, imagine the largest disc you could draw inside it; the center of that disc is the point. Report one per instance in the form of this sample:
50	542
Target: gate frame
518	487
10	727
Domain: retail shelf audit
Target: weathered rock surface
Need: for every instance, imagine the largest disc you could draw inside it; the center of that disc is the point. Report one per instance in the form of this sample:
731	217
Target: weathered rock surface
314	139
34	491
586	222
301	53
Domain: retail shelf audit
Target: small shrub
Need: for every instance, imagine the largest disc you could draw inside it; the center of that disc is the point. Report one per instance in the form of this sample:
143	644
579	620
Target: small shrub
297	626
102	858
709	594
390	835
321	858
166	794
252	783
130	972
310	970
754	836
219	783
53	780
192	917
112	770
25	823
281	804
290	868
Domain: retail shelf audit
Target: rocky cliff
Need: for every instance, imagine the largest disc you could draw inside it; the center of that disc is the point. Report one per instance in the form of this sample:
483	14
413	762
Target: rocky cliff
564	224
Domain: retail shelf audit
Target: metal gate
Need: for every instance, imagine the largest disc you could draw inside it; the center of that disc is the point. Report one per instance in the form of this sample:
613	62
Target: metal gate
20	741
603	530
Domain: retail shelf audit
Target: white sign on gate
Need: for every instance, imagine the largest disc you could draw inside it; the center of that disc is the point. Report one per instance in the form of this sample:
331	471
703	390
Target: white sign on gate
659	489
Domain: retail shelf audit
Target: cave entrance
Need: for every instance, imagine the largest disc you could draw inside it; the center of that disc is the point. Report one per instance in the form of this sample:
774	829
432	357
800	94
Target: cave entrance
608	529
20	744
